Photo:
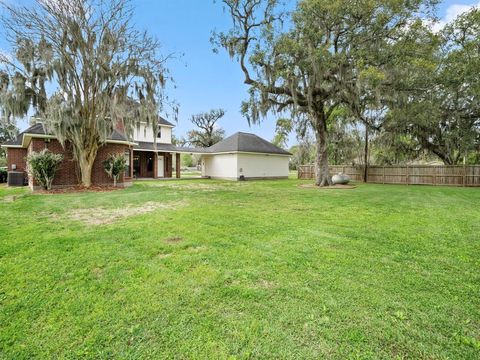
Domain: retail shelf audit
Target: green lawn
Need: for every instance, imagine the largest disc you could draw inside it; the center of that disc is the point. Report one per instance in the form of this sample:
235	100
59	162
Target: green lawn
211	269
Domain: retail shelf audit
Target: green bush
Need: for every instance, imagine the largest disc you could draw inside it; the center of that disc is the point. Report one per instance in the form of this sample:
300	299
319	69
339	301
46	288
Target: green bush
187	160
114	166
3	160
3	175
43	165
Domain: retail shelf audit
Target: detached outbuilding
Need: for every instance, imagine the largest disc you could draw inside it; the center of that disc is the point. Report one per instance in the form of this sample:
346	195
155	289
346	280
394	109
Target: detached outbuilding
245	156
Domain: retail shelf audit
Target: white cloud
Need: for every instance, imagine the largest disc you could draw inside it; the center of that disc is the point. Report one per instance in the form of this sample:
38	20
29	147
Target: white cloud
451	14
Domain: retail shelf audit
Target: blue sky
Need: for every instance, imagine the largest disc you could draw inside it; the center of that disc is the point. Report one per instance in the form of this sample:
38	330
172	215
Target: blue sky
204	80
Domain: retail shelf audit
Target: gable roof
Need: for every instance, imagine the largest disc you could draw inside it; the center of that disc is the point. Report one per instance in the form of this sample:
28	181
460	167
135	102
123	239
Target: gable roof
163	121
36	129
39	130
246	142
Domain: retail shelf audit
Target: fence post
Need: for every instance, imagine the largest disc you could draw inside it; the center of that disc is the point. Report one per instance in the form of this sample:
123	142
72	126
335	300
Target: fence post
407	176
383	181
464	174
435	175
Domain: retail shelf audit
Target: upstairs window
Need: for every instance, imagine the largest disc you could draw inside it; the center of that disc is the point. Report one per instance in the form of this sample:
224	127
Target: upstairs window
159	132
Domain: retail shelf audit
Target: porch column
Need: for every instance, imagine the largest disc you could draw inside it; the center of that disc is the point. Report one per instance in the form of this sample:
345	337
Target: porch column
131	162
155	165
177	165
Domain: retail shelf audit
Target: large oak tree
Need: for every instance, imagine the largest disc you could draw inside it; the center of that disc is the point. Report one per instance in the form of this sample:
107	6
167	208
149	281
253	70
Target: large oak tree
84	67
437	102
312	64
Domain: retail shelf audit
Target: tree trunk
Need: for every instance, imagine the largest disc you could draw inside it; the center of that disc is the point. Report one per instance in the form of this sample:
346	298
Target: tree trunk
365	156
322	175
85	161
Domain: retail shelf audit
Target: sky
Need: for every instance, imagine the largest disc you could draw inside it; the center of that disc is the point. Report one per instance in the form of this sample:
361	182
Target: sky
205	80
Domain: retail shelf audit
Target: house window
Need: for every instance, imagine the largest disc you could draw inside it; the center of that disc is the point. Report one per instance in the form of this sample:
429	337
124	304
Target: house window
159	132
138	129
127	161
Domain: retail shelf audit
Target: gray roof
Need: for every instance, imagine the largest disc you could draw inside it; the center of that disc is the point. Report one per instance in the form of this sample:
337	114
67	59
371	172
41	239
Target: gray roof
246	142
163	121
16	142
38	129
165	147
117	136
35	129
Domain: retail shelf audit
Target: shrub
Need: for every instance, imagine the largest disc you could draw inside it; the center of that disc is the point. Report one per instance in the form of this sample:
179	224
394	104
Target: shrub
43	165
114	166
3	175
187	160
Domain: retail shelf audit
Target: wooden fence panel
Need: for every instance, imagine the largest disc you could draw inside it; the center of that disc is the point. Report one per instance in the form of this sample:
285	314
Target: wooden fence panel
454	175
395	175
472	175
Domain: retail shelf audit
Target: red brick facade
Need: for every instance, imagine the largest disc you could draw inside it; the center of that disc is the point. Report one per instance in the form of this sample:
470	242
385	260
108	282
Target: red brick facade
17	156
69	172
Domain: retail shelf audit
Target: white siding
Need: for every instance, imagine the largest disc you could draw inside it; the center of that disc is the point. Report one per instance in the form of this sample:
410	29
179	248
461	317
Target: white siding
222	166
145	133
166	135
262	165
231	166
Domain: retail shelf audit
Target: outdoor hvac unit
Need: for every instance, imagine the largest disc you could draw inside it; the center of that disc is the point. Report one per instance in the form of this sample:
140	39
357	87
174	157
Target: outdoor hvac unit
15	178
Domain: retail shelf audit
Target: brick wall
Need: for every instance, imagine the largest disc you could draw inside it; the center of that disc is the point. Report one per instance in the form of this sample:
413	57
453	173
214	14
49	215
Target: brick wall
69	172
99	176
17	157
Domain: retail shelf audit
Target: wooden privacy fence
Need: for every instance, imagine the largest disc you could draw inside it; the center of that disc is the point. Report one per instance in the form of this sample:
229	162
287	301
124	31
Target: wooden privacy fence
455	175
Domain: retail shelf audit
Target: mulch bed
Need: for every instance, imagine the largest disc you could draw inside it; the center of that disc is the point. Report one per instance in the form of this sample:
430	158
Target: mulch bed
332	187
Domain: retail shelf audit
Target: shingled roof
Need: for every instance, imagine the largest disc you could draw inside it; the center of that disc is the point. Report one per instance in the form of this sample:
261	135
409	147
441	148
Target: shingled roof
39	129
36	129
246	142
163	121
148	146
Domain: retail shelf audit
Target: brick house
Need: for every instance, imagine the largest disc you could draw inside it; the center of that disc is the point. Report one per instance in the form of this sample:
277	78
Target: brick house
150	154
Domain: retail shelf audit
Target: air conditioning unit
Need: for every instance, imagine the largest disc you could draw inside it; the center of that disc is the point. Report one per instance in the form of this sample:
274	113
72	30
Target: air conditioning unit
16	178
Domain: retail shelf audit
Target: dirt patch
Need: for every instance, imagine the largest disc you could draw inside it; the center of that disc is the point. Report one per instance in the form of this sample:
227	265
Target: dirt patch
102	216
332	187
174	239
265	284
190	186
9	198
97	272
196	249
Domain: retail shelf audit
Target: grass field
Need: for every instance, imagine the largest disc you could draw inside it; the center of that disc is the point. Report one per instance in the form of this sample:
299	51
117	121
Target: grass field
210	269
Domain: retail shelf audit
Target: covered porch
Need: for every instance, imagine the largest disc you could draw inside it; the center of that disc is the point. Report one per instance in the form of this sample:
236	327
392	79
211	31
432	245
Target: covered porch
155	164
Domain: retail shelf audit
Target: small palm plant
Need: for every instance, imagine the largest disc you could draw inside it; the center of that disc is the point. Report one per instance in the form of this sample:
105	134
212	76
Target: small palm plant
114	165
43	165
